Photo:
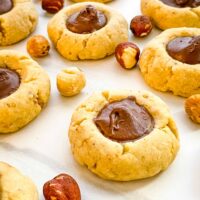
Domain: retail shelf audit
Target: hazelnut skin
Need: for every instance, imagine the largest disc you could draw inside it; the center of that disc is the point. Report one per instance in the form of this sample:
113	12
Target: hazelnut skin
62	187
141	26
127	54
192	107
70	81
52	6
38	46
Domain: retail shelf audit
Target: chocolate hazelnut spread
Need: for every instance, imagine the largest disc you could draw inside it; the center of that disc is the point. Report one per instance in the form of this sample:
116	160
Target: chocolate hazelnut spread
185	49
9	82
5	6
182	3
86	20
124	120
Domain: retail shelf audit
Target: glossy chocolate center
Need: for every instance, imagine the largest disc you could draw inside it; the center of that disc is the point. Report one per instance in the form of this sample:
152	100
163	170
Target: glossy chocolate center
5	6
185	49
182	3
86	21
124	120
9	82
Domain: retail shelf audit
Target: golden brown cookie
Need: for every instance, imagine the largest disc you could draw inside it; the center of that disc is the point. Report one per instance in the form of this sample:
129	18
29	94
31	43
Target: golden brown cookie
90	40
18	18
171	15
97	142
165	73
24	90
14	185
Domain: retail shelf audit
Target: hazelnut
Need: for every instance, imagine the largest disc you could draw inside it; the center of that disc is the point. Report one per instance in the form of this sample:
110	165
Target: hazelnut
38	46
62	187
192	107
70	81
52	6
127	54
141	26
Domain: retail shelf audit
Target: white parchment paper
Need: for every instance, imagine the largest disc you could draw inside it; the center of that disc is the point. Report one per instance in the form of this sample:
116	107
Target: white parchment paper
41	150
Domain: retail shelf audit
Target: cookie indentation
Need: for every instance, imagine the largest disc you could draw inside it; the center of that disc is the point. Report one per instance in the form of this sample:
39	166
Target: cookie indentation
9	82
185	49
86	20
124	120
5	6
182	3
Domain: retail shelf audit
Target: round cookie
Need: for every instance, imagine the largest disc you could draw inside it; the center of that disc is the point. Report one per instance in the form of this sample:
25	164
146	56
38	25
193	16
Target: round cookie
24	93
18	22
164	73
123	160
95	45
174	15
101	1
14	185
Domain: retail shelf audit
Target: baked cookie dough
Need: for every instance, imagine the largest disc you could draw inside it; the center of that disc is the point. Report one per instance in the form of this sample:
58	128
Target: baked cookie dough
18	18
87	31
123	135
172	13
24	90
165	73
14	185
101	1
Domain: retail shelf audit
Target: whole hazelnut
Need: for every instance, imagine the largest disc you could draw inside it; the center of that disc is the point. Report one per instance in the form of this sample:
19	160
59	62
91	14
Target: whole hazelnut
38	46
127	54
62	187
70	81
192	107
141	26
52	6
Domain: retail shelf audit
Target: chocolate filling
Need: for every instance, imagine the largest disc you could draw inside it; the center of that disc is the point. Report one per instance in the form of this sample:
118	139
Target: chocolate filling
9	82
185	49
182	3
5	6
124	120
86	20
